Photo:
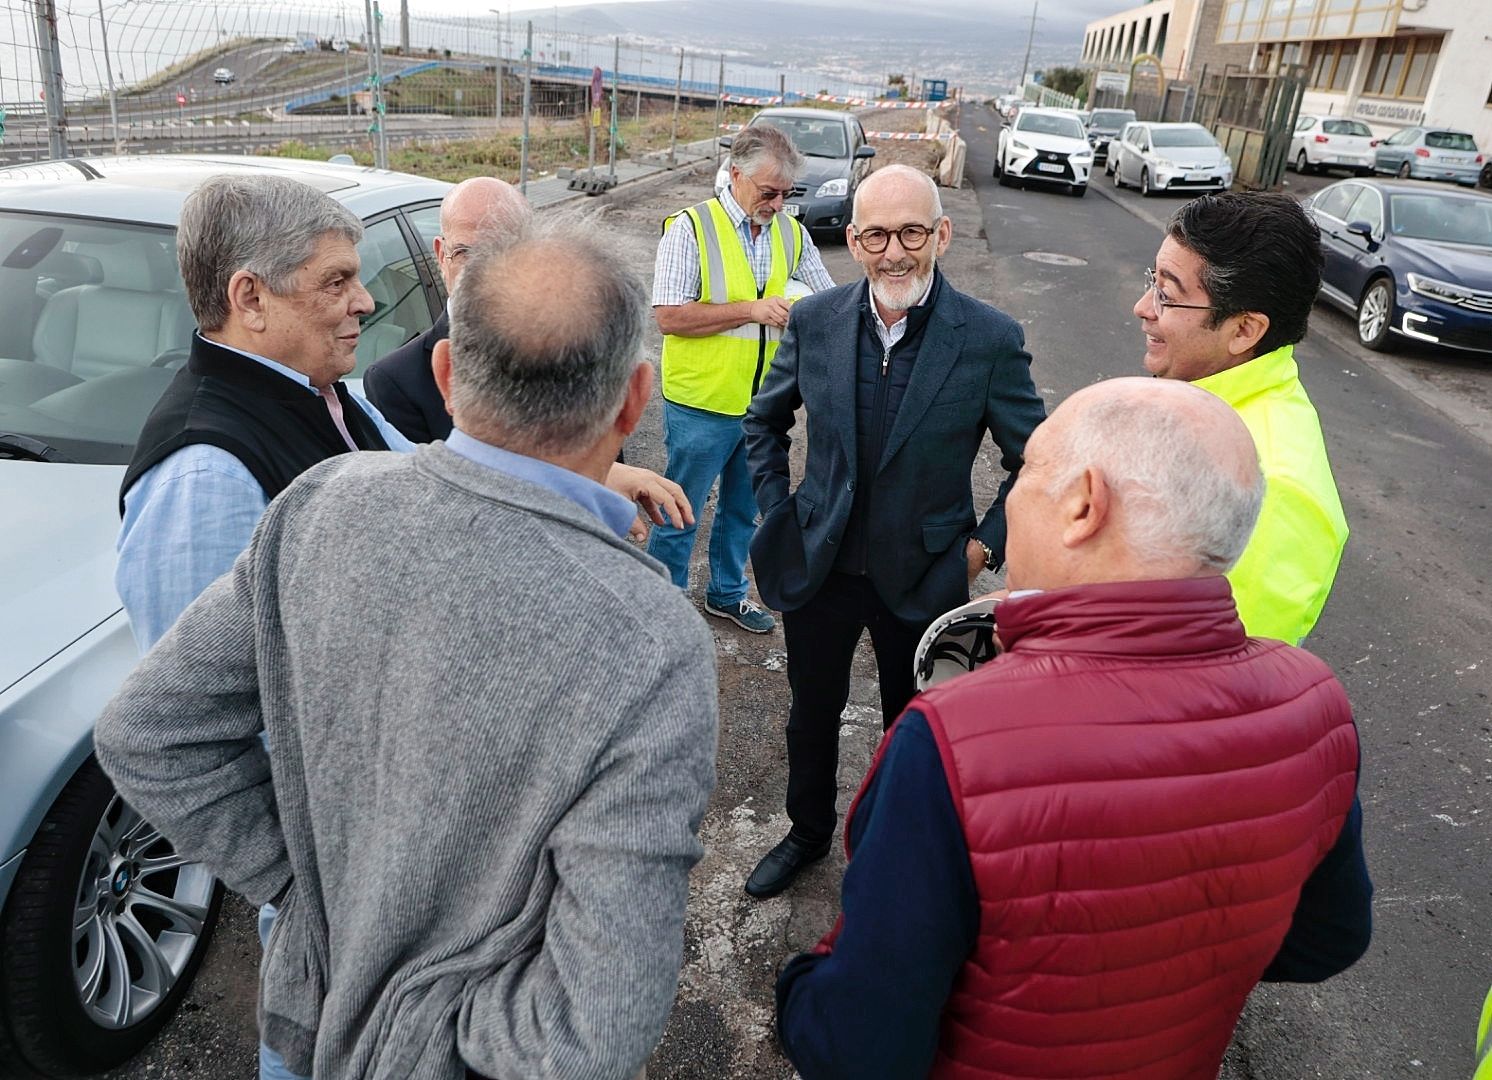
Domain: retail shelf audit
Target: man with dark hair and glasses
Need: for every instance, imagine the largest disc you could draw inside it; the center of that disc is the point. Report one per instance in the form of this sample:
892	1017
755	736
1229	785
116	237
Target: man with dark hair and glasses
725	271
901	375
1229	296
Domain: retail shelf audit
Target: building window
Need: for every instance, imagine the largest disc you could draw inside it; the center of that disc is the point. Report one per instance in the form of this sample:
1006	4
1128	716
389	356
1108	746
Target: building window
1402	67
1331	64
1245	21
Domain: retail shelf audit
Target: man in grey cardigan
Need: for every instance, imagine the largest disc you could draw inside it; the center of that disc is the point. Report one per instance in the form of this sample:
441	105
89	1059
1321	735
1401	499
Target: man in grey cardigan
486	772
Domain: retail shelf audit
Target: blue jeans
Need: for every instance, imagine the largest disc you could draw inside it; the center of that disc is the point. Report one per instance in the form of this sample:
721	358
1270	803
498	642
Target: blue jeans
704	446
271	1065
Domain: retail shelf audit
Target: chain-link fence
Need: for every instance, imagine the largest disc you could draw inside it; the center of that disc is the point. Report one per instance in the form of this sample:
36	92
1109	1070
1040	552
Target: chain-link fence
82	77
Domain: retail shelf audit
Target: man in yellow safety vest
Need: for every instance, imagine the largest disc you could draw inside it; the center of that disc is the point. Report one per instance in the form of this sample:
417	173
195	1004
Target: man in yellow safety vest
726	272
1228	298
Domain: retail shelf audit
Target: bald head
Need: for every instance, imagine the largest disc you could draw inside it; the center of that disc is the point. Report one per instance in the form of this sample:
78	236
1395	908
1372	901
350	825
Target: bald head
546	331
899	186
1134	479
477	211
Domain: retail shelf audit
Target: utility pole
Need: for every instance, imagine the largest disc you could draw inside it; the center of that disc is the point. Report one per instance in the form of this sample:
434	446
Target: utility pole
375	67
719	104
616	90
1030	37
499	15
404	26
528	81
109	74
673	142
51	73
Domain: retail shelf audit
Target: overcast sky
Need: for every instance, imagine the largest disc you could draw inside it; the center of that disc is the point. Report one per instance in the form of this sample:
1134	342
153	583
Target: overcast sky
1066	11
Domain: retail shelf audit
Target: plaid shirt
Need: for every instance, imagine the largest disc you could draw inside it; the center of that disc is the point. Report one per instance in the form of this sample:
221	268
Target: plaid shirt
676	272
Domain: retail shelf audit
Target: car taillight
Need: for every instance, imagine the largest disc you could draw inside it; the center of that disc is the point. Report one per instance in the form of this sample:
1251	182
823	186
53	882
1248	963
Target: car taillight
1479	158
1322	138
1374	142
1420	151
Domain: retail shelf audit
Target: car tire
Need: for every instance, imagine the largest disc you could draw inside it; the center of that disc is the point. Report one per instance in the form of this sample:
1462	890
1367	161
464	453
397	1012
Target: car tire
1006	180
1375	314
1077	191
998	172
1303	163
1404	171
1118	180
1145	189
44	1022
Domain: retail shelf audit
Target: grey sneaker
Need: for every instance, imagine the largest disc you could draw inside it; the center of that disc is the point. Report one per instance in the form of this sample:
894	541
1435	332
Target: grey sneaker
746	615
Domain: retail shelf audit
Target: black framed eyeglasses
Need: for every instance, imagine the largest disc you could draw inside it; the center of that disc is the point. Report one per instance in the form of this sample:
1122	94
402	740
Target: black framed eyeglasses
910	237
1161	302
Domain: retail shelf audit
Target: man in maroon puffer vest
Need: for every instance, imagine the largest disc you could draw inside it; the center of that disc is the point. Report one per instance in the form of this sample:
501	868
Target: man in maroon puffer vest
1079	859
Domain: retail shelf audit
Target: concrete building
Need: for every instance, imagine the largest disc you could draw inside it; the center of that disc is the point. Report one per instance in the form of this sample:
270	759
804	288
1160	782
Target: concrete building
1389	63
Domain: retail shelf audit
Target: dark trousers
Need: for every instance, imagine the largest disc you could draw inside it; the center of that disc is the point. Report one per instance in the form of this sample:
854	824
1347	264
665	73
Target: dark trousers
821	638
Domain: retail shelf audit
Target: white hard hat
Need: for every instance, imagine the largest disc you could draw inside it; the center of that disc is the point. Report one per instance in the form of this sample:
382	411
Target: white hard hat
956	643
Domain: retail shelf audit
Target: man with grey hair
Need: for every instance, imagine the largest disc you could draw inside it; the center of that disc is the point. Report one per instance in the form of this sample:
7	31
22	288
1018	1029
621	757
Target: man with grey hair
901	376
726	274
485	210
1121	823
480	866
271	272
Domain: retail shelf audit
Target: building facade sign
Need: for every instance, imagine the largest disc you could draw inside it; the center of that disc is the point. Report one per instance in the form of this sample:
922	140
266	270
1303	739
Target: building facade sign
1389	112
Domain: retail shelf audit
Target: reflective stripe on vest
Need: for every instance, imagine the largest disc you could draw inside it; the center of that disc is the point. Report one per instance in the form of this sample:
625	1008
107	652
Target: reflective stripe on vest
719	374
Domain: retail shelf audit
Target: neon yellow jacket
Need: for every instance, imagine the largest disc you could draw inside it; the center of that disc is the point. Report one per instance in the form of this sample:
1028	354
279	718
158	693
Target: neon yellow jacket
1286	572
720	374
1484	1043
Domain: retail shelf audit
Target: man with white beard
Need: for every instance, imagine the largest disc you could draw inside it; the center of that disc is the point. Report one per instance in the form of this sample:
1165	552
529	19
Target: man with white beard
900	375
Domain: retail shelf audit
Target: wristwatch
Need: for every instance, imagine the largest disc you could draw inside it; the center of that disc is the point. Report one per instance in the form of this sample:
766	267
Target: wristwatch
989	556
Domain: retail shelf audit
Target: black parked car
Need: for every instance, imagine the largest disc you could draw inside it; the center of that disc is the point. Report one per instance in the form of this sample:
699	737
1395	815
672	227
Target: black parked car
1105	125
1408	259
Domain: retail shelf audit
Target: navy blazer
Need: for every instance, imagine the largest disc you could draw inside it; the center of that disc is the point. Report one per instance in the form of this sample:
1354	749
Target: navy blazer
972	375
402	387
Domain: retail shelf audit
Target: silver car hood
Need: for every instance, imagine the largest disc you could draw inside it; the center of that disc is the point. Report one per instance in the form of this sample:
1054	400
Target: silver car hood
57	551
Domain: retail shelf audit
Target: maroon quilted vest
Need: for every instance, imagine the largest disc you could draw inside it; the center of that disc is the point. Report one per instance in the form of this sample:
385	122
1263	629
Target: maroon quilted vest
1143	790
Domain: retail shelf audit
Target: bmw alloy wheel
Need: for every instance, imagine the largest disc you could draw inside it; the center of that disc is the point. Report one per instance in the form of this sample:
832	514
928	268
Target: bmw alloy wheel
141	908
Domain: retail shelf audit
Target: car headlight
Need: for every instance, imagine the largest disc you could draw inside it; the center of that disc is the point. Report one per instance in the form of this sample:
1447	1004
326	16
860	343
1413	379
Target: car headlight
840	186
1162	163
1018	145
1437	290
1083	155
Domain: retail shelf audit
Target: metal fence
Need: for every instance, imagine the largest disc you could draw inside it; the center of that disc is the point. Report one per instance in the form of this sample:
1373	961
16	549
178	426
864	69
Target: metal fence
143	76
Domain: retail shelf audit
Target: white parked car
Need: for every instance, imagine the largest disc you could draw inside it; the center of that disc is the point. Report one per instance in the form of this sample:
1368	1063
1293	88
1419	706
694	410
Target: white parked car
102	924
1049	146
1332	142
1158	157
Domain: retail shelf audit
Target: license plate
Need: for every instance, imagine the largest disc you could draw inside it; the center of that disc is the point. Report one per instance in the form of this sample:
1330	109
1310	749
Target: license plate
1047	166
1199	176
792	209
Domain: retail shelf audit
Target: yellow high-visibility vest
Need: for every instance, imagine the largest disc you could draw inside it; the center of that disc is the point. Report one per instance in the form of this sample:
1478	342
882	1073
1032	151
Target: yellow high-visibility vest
1285	574
1484	1043
719	374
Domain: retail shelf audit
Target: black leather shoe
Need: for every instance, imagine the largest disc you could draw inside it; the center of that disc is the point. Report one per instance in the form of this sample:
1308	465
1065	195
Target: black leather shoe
782	864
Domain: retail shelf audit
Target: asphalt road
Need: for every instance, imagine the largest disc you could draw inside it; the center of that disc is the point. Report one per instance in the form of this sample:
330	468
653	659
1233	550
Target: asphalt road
1407	630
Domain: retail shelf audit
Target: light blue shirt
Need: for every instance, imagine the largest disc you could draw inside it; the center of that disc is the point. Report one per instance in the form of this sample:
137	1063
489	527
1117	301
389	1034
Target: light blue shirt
187	519
617	512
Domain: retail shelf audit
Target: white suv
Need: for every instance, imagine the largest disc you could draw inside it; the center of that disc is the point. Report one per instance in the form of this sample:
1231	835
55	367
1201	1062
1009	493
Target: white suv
1049	146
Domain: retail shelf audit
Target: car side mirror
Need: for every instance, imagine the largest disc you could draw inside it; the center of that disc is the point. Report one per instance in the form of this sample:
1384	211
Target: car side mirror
1360	228
865	152
725	141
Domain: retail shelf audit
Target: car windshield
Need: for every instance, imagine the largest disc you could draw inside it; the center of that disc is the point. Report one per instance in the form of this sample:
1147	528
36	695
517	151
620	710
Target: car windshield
1449	140
93	322
1046	124
816	138
1111	118
1346	127
1450	218
1182	137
